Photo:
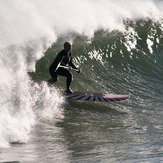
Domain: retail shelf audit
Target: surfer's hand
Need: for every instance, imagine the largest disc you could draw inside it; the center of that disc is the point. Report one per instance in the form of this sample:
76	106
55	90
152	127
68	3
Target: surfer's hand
78	71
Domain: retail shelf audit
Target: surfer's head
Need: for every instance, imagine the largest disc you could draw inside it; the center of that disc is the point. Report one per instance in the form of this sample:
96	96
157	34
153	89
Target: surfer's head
67	47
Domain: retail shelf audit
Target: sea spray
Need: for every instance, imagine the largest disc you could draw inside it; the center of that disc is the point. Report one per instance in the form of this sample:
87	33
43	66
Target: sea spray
27	104
48	101
29	20
23	102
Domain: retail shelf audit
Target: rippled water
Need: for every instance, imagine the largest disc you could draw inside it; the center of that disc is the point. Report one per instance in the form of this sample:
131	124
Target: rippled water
101	134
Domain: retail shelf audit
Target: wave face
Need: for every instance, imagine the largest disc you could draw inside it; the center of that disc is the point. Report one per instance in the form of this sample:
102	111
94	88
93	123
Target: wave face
118	46
128	62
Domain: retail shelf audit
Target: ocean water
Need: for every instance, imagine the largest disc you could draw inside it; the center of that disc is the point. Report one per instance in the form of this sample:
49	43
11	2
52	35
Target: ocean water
118	46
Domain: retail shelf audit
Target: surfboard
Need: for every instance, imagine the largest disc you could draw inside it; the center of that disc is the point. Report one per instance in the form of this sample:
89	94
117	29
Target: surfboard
97	97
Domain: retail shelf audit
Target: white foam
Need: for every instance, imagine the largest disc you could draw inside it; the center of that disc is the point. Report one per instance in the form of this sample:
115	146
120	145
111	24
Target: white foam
26	19
22	102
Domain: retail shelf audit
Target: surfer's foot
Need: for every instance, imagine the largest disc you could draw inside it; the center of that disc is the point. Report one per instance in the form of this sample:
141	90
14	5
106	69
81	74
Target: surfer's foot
51	81
69	91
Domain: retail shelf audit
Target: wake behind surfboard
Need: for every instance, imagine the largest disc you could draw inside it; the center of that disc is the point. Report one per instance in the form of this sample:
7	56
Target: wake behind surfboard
99	98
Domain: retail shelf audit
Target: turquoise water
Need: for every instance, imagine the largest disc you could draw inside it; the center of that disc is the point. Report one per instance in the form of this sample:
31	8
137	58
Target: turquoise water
118	49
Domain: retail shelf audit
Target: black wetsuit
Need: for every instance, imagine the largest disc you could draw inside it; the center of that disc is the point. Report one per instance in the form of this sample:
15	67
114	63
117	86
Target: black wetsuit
63	59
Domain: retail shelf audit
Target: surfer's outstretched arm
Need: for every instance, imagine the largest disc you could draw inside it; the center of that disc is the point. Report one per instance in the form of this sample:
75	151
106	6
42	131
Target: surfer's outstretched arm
73	66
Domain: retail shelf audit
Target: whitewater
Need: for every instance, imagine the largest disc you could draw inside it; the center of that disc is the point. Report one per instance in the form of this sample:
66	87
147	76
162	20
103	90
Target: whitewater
118	46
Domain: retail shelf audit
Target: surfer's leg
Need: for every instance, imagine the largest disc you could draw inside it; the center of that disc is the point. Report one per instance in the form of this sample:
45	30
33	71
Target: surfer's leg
53	79
64	72
68	81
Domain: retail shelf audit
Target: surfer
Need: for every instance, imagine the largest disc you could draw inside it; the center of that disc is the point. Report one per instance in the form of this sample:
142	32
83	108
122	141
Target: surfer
59	66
